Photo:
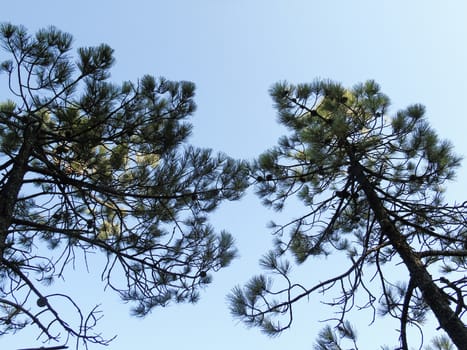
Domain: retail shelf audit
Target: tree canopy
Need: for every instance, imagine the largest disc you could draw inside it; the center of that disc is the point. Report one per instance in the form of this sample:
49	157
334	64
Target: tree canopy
91	166
372	188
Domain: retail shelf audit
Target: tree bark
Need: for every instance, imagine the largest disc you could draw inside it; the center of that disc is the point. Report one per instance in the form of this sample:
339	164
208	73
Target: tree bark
10	190
434	297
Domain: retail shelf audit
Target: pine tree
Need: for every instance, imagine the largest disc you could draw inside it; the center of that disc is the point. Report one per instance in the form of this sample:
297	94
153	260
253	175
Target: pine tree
372	190
88	166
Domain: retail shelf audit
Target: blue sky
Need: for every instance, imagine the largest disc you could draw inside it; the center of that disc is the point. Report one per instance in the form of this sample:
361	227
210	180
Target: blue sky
234	51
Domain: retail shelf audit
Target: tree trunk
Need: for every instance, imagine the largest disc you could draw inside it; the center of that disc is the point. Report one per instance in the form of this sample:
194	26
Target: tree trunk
433	296
10	190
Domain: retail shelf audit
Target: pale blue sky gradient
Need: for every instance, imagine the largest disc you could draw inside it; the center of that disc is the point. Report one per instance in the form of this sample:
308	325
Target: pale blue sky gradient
234	51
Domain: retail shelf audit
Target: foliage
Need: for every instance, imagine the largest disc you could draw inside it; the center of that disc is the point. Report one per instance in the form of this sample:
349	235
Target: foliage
331	340
90	166
441	343
372	187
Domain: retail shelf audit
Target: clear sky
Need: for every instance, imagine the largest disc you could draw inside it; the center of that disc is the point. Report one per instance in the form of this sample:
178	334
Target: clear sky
233	51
